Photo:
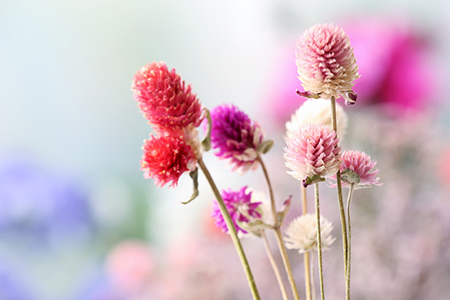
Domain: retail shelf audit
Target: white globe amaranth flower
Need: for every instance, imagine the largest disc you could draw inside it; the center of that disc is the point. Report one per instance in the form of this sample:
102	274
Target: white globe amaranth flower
302	233
317	111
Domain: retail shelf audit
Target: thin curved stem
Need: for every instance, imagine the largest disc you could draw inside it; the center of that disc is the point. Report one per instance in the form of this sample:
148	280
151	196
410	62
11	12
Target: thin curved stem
232	231
349	232
278	234
306	254
274	265
340	200
313	285
319	240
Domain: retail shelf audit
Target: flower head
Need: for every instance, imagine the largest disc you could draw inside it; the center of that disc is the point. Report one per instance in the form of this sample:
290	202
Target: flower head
355	168
164	99
302	233
235	136
317	111
326	63
166	158
312	153
240	206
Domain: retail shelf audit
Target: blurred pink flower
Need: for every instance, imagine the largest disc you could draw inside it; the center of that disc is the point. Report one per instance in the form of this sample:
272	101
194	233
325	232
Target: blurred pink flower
326	63
130	265
361	164
164	99
312	153
394	62
166	158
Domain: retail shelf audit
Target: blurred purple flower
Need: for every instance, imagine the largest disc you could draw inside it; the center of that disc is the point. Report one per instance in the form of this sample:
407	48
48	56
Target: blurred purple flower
12	286
38	204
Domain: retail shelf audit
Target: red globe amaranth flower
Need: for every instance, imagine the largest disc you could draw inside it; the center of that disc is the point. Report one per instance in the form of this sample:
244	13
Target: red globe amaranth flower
166	158
164	99
312	153
326	63
361	164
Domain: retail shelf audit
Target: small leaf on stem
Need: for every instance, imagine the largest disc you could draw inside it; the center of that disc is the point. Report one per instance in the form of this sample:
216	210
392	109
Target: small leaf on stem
194	176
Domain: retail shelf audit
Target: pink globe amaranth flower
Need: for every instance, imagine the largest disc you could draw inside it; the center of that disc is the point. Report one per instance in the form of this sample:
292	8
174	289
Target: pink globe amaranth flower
361	164
312	153
240	207
235	137
164	99
326	64
166	158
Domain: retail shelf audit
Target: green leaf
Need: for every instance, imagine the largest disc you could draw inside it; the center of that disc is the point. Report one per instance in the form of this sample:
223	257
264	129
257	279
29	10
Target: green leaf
350	176
312	179
206	143
284	210
265	146
194	176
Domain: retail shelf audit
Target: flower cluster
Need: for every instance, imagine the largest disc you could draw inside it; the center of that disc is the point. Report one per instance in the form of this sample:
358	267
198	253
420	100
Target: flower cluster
326	63
174	111
241	208
302	233
312	153
235	137
355	168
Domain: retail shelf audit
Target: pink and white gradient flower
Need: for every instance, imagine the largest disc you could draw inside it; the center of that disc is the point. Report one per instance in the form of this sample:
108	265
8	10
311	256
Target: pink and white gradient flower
358	163
326	64
164	99
312	153
166	158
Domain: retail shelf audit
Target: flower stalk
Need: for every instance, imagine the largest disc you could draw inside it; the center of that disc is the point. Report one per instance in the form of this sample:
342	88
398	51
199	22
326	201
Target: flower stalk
278	234
340	200
306	254
232	231
274	265
319	240
349	232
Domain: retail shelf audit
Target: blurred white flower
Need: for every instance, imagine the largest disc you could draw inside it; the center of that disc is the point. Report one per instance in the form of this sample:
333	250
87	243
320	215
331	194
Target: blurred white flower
302	233
317	111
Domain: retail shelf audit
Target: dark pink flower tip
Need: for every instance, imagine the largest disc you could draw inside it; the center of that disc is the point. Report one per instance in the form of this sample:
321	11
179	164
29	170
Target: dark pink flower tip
360	163
235	137
166	158
164	99
312	152
326	64
240	207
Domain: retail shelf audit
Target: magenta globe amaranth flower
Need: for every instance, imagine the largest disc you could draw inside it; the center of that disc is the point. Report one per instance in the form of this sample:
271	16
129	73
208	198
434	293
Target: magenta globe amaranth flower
164	99
241	208
166	158
235	137
355	169
326	64
312	153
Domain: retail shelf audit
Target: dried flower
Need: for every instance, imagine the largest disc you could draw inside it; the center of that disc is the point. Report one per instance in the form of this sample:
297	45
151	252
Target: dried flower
312	153
302	233
235	137
165	100
355	168
240	207
317	111
326	64
166	158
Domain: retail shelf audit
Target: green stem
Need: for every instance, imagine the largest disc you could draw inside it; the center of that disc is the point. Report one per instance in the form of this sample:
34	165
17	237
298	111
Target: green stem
274	265
340	200
319	240
349	224
306	254
232	231
278	234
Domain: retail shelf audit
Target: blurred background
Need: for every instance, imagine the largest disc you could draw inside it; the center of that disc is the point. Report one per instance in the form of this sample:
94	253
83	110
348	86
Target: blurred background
79	222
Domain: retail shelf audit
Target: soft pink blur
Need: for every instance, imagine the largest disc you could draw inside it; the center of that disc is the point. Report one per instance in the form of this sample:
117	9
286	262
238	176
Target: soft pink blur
130	265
